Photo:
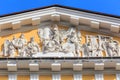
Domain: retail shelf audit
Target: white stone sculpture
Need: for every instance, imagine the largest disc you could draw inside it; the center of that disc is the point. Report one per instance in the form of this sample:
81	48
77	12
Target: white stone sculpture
56	38
72	36
49	46
11	50
118	50
94	42
78	44
90	50
47	33
55	35
87	50
62	41
112	48
50	38
40	34
33	47
24	52
71	45
22	40
5	48
15	42
20	43
68	48
93	46
97	50
53	40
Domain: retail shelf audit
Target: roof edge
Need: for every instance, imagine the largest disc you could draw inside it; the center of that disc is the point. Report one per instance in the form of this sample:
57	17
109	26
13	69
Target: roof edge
62	6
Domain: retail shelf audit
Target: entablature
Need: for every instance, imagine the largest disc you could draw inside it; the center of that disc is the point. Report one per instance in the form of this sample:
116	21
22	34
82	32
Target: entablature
58	64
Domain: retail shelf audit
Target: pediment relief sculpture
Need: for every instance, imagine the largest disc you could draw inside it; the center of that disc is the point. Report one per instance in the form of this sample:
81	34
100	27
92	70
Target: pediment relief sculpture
56	42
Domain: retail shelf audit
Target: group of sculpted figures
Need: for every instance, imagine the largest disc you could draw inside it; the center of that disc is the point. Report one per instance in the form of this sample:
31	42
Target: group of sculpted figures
20	46
55	40
65	41
97	45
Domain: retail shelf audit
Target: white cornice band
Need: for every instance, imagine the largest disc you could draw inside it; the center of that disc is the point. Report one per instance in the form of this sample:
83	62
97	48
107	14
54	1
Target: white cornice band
57	14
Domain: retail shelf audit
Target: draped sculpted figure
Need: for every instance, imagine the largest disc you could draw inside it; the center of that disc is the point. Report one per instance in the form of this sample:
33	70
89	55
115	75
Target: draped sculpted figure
112	48
6	48
11	50
92	47
72	44
33	47
21	43
15	42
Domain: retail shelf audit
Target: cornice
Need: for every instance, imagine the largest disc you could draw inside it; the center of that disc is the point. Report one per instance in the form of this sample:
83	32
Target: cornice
58	13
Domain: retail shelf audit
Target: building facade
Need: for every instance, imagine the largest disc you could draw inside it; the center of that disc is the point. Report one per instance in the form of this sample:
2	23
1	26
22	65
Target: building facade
59	43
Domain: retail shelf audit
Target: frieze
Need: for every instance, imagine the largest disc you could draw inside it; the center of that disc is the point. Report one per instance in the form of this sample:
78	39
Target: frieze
56	42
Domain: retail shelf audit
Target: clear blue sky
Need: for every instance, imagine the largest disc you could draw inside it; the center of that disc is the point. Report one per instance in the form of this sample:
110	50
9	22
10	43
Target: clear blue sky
104	6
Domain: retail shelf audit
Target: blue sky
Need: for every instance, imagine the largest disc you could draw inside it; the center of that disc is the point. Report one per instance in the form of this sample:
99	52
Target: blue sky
104	6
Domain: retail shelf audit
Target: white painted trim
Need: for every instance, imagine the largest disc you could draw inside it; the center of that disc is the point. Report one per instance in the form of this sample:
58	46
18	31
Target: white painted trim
34	77
99	76
56	76
12	77
118	76
77	76
61	11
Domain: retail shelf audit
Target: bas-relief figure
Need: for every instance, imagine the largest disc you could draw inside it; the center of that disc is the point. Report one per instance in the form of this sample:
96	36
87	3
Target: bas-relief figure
5	48
11	50
50	39
8	49
91	48
65	42
53	40
112	48
33	47
72	44
97	44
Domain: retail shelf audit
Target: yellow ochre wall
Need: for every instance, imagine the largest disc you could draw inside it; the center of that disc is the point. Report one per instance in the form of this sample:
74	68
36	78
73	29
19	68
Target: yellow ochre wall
23	77
109	77
45	77
66	77
88	77
3	77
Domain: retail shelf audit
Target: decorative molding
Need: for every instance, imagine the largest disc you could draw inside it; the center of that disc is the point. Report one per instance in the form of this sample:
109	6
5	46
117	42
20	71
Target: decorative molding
115	28
99	66
16	25
77	66
35	21
49	13
55	17
56	67
95	24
